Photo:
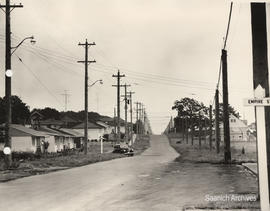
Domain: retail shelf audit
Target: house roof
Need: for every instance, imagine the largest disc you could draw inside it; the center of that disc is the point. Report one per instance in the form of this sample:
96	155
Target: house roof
20	130
51	122
103	124
53	132
69	119
71	132
36	113
91	125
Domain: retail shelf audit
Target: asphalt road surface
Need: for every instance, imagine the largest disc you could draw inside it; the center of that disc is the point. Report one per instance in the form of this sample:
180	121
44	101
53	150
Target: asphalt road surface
152	181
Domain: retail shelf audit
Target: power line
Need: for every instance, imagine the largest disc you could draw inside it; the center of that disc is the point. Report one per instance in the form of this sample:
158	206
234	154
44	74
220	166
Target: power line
42	84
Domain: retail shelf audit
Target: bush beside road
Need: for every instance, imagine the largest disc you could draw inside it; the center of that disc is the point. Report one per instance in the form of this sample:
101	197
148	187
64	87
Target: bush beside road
35	165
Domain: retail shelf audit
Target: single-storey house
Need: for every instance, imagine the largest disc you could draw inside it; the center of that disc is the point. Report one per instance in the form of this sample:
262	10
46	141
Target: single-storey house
58	140
25	139
95	131
77	136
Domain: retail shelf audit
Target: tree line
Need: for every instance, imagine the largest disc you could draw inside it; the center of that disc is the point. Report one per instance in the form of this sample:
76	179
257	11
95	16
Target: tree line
196	113
21	112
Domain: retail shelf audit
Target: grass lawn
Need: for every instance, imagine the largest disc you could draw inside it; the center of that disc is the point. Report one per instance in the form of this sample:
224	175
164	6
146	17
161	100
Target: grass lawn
195	153
54	163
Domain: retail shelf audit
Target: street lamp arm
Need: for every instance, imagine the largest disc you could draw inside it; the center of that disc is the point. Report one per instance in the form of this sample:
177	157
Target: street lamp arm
100	81
15	48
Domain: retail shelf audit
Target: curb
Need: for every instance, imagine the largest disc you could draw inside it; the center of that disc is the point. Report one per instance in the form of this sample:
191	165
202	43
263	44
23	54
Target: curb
250	170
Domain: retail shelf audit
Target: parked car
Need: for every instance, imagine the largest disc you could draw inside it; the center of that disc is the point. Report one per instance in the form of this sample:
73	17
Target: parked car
130	152
119	149
123	150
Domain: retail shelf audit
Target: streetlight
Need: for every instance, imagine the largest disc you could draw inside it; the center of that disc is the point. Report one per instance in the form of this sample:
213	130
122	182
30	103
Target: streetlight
8	73
32	41
100	82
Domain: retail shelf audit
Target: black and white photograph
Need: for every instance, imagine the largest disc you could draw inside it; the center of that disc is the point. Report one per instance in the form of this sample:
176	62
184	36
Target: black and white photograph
134	105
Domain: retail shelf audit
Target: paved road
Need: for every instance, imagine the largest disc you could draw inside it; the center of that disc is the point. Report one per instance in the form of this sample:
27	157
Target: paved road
152	181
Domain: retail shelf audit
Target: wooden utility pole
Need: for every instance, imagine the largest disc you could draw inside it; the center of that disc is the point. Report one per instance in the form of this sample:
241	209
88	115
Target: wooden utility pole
118	76
192	131
260	78
210	127
8	7
86	63
137	117
131	114
200	131
114	120
126	109
226	122
186	130
140	118
183	129
217	132
66	96
205	131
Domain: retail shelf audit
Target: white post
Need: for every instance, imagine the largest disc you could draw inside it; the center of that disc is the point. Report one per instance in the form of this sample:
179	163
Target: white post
101	145
262	152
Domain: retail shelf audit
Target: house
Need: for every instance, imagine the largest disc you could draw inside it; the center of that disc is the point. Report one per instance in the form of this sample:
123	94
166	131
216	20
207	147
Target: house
52	123
113	124
238	129
58	141
35	118
25	139
78	137
108	128
95	131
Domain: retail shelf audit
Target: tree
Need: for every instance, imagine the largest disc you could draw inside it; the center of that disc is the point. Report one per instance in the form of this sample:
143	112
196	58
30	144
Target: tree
189	108
231	110
20	111
49	113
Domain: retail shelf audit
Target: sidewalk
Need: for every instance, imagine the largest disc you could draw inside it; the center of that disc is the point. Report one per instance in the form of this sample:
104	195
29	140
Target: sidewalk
252	167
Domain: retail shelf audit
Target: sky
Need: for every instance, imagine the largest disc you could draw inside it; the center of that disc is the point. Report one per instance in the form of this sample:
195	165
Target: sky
167	49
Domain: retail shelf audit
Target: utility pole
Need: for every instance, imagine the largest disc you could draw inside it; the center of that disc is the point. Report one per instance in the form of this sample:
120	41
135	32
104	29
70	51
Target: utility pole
114	120
200	131
210	127
260	78
131	114
187	130
66	96
183	129
118	76
144	122
86	62
126	109
140	118
8	7
226	123
137	117
192	131
217	132
205	131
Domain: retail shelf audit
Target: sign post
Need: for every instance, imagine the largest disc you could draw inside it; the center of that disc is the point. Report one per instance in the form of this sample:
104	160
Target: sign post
260	102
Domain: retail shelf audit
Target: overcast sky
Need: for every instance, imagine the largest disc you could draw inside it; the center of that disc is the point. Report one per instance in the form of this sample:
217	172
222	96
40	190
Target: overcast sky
168	49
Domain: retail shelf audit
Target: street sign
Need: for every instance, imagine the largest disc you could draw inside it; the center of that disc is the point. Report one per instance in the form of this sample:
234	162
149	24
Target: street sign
259	102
